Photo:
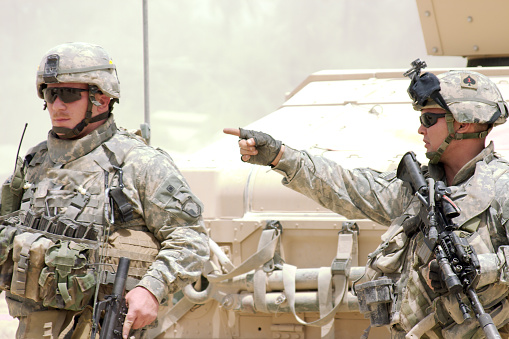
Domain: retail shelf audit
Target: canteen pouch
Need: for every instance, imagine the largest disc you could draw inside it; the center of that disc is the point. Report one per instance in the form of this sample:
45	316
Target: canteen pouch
67	281
29	250
7	234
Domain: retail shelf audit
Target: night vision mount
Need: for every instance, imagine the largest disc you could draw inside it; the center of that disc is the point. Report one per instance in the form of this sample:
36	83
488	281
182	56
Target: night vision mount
417	65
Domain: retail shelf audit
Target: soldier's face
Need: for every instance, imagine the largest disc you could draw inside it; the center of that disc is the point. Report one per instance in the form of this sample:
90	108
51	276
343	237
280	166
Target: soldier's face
434	135
70	114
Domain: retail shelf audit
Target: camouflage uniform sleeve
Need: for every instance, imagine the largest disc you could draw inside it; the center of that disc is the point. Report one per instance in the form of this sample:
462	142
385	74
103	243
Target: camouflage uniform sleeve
359	193
173	214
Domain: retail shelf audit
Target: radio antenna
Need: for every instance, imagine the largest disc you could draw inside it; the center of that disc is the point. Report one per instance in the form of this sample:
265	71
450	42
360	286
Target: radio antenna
19	147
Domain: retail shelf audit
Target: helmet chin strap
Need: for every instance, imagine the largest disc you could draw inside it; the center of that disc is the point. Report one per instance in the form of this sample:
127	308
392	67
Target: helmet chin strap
71	133
436	155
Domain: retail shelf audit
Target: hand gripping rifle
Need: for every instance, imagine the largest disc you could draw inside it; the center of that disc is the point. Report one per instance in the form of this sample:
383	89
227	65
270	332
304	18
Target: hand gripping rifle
114	306
456	257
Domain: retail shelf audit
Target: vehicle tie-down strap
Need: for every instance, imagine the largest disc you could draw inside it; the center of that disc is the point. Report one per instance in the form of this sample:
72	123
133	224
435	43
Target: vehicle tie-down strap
260	276
325	277
264	254
266	248
289	285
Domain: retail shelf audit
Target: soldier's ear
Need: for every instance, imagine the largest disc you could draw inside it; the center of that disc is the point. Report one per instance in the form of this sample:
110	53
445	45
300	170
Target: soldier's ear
465	127
104	100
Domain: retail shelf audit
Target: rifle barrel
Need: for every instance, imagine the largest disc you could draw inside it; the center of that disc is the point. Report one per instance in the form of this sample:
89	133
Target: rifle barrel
484	318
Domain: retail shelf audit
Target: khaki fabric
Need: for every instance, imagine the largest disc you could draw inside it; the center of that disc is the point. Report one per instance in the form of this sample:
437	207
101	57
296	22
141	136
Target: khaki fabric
139	246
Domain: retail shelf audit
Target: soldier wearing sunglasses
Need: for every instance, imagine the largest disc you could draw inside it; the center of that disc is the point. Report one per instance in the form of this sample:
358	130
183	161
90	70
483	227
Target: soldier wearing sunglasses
457	111
89	195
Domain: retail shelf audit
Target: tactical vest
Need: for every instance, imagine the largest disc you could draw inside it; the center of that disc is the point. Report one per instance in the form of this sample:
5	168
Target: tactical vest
51	248
398	257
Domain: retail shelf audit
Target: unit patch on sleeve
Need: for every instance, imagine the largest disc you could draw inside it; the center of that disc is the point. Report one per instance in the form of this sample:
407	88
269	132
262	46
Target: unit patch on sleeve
191	208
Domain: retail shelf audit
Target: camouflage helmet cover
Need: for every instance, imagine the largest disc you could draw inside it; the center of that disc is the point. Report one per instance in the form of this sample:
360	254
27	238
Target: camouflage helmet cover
78	62
471	97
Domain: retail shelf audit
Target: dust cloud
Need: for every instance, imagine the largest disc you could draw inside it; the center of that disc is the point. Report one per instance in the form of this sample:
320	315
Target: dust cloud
212	63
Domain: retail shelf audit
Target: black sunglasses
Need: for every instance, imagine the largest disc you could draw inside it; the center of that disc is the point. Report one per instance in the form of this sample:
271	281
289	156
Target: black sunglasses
429	119
66	94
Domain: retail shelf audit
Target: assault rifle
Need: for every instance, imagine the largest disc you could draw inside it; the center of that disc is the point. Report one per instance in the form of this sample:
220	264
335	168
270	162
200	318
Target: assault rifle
457	259
113	305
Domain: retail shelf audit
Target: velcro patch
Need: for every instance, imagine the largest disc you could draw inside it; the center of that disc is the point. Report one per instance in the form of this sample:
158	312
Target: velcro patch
191	208
469	81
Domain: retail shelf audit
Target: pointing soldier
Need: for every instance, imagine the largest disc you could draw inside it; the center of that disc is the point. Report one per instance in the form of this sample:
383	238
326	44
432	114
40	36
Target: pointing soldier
458	109
104	181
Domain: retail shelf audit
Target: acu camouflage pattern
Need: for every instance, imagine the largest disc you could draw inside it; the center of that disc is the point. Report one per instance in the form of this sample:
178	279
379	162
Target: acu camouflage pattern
472	98
81	62
480	189
162	201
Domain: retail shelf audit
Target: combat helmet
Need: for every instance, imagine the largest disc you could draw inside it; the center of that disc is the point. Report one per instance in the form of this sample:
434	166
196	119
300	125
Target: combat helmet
79	62
466	96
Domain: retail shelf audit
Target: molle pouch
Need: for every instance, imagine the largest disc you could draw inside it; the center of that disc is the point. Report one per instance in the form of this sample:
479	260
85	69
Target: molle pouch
67	281
375	299
12	191
28	256
7	234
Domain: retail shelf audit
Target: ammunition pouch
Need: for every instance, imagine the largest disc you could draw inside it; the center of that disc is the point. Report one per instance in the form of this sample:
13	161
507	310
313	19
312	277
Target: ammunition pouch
51	259
41	259
68	280
375	298
28	256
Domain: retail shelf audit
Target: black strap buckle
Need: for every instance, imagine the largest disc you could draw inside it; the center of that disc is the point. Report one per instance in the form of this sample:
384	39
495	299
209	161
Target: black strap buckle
125	209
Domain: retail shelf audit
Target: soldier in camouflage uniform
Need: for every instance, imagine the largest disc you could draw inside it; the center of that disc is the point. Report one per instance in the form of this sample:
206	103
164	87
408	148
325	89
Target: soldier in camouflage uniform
454	128
74	173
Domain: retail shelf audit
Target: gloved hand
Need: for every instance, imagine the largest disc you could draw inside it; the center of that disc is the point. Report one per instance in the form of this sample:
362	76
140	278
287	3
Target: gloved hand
268	148
256	147
436	279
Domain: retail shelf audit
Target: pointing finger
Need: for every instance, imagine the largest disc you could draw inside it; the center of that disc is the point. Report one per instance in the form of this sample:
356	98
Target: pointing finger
232	131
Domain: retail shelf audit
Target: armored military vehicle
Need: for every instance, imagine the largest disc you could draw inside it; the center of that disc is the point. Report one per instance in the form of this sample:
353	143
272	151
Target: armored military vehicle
358	118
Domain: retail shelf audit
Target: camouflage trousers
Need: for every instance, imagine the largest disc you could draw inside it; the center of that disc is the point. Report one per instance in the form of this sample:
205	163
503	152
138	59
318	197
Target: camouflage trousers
37	321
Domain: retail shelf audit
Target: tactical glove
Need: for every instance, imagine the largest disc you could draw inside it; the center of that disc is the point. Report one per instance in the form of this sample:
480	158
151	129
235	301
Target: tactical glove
436	278
268	148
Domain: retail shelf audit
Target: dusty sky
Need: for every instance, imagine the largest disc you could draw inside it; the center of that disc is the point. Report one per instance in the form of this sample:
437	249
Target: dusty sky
213	63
